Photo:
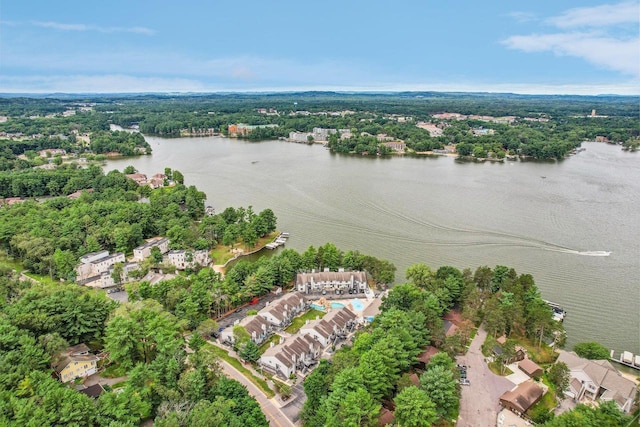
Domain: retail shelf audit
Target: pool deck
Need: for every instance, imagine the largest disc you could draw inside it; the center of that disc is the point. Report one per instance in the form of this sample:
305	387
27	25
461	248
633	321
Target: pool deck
370	306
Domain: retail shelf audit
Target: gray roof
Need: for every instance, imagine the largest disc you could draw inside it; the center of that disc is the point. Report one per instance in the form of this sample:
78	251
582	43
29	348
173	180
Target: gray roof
277	307
151	243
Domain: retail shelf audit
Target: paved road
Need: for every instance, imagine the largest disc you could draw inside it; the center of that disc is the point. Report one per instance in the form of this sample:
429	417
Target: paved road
479	405
274	414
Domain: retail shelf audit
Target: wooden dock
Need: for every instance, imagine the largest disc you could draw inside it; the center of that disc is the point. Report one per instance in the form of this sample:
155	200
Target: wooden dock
278	241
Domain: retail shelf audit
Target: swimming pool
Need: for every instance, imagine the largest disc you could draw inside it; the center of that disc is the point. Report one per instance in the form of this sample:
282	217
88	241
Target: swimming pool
357	304
337	305
317	306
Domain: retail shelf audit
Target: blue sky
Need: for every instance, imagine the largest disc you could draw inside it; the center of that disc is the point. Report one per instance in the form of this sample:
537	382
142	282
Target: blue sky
581	47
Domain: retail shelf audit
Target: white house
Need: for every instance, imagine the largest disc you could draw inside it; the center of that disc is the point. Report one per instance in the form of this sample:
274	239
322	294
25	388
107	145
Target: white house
144	251
280	312
332	281
597	380
182	259
96	263
334	325
294	353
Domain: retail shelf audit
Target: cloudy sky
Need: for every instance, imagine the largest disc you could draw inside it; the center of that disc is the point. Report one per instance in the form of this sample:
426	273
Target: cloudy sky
576	47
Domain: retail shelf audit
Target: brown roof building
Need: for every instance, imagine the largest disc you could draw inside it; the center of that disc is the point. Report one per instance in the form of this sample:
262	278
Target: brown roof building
530	368
523	397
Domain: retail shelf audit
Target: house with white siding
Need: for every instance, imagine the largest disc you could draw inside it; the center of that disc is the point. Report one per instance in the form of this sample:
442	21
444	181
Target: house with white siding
182	259
96	263
144	251
332	281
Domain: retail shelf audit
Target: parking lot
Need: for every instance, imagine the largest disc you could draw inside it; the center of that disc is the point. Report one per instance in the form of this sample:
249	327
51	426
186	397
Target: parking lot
479	405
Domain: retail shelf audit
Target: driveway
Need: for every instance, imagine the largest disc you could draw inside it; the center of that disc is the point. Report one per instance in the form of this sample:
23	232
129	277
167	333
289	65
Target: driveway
479	405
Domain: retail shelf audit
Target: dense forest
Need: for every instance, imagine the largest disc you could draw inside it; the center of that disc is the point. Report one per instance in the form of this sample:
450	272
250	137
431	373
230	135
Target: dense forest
566	120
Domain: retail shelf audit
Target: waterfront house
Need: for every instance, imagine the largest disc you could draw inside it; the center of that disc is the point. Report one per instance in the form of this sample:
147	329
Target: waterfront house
397	146
333	326
597	380
521	398
76	362
331	281
292	354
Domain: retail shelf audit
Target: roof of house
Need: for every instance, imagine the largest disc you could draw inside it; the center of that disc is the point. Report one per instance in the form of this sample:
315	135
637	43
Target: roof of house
255	324
81	348
427	354
529	367
449	328
93	391
66	359
523	396
151	243
279	306
289	351
386	417
333	321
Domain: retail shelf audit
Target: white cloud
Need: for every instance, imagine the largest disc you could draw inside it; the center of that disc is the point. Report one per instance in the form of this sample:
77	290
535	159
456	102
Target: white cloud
84	27
523	16
598	16
604	42
605	51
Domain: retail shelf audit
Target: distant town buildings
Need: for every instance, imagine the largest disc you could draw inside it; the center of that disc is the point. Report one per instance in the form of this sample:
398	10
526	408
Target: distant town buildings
242	129
318	135
433	129
398	146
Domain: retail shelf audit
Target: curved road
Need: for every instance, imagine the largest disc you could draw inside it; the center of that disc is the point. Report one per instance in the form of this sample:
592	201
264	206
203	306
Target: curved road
274	414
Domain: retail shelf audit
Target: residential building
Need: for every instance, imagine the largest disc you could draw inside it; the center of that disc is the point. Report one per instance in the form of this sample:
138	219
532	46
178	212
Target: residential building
280	313
395	145
302	137
93	391
96	263
531	368
482	131
257	326
292	354
140	178
182	259
332	281
244	129
433	129
335	325
597	380
521	398
76	362
144	251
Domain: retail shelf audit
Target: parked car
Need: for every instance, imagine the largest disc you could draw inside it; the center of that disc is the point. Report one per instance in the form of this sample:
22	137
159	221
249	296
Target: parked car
465	382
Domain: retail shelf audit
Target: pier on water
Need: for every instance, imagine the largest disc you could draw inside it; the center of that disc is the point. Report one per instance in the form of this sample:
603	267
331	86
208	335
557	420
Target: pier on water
627	358
279	241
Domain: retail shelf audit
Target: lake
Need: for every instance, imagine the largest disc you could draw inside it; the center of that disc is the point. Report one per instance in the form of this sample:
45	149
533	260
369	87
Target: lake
572	224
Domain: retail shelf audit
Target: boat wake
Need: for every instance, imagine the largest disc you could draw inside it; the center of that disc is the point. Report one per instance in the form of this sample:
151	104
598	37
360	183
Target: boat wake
594	253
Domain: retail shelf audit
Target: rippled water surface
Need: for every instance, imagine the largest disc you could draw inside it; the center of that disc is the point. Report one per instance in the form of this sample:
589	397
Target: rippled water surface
573	224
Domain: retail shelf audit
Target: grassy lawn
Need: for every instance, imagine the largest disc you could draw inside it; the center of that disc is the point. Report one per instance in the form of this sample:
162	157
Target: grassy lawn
221	253
113	371
544	355
261	384
299	321
275	338
495	368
